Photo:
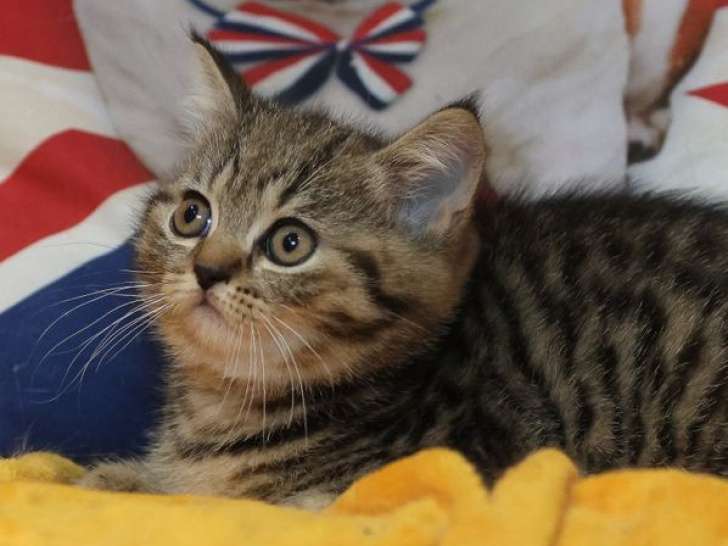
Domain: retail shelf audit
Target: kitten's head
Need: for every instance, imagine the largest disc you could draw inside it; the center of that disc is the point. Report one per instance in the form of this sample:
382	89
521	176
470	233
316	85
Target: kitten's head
289	237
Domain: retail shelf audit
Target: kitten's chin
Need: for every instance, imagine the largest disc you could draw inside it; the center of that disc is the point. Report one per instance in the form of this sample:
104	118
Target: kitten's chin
203	334
205	315
205	322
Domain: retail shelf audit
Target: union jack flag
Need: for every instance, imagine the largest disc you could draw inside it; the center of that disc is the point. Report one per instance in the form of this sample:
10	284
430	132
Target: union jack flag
68	190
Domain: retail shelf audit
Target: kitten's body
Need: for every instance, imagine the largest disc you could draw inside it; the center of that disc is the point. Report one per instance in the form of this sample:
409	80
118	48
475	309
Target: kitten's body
595	324
598	325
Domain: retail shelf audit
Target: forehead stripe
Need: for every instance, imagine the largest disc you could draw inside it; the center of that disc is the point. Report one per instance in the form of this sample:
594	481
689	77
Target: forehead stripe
160	196
323	155
232	157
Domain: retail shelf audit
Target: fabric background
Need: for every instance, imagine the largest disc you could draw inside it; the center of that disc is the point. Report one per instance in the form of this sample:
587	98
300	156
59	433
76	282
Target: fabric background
547	73
68	190
554	79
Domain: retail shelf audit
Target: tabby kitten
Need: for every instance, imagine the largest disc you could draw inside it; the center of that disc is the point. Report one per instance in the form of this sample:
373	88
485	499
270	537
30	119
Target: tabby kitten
333	304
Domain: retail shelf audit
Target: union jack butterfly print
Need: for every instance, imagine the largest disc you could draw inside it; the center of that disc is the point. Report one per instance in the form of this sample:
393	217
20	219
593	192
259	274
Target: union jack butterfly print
287	56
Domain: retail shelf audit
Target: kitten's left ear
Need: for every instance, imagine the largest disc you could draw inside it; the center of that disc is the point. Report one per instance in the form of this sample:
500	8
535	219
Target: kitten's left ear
219	91
434	170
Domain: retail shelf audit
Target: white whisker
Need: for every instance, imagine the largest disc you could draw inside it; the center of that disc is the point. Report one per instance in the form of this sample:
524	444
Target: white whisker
269	327
122	287
81	330
262	373
308	346
108	330
114	333
73	309
147	319
123	341
231	379
300	382
254	362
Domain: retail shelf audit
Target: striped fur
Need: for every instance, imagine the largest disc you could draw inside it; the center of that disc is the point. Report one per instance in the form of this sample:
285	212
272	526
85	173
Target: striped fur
597	324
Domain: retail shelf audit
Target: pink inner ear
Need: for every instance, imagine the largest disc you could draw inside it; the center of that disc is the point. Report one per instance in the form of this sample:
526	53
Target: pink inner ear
440	162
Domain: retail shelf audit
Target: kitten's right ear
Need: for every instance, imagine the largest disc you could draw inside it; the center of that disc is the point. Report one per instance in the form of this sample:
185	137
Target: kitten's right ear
434	170
218	90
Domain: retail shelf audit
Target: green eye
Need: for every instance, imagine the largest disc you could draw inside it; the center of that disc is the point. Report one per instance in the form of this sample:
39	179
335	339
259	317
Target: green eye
192	217
289	242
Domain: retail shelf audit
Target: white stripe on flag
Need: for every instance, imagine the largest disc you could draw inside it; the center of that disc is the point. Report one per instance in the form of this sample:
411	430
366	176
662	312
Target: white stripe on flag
402	48
38	101
283	79
397	18
239	46
273	24
374	84
99	233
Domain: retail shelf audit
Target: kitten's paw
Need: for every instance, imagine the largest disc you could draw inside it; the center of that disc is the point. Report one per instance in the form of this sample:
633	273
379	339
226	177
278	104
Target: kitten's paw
311	501
121	476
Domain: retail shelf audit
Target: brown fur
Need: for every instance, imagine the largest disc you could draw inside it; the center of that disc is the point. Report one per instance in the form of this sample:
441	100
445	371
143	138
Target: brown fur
595	324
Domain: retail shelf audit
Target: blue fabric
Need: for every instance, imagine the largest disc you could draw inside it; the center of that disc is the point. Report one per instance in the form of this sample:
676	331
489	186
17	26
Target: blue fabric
43	402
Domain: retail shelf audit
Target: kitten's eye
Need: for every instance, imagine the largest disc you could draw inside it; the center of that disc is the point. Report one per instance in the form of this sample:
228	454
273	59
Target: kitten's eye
289	242
193	216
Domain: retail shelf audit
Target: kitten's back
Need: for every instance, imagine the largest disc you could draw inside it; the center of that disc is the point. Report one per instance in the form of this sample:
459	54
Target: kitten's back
604	323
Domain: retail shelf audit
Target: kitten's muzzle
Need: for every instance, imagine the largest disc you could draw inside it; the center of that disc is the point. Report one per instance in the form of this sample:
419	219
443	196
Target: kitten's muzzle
217	260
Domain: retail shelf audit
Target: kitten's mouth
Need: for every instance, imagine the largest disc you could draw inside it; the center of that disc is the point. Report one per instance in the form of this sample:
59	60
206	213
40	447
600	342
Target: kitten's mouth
207	313
206	307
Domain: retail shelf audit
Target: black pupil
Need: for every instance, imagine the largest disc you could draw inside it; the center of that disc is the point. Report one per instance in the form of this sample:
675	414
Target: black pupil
290	242
191	213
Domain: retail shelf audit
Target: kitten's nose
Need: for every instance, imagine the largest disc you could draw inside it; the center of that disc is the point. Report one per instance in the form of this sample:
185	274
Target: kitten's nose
218	259
210	276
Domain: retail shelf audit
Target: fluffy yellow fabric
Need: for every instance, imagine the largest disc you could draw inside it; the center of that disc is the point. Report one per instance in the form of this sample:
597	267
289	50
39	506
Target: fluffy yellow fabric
433	498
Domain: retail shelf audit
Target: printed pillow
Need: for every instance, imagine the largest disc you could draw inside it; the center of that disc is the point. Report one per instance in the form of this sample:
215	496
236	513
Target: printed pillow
550	75
694	157
73	377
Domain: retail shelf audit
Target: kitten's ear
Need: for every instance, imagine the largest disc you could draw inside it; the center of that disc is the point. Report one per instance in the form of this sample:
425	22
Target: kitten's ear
218	90
433	170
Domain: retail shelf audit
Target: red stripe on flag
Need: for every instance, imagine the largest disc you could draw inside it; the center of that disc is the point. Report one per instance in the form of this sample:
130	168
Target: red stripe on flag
379	15
231	35
262	71
326	35
44	31
397	80
717	93
721	4
410	36
60	183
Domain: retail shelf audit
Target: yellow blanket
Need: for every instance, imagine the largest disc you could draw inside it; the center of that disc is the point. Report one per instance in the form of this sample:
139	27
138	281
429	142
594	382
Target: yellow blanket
433	498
